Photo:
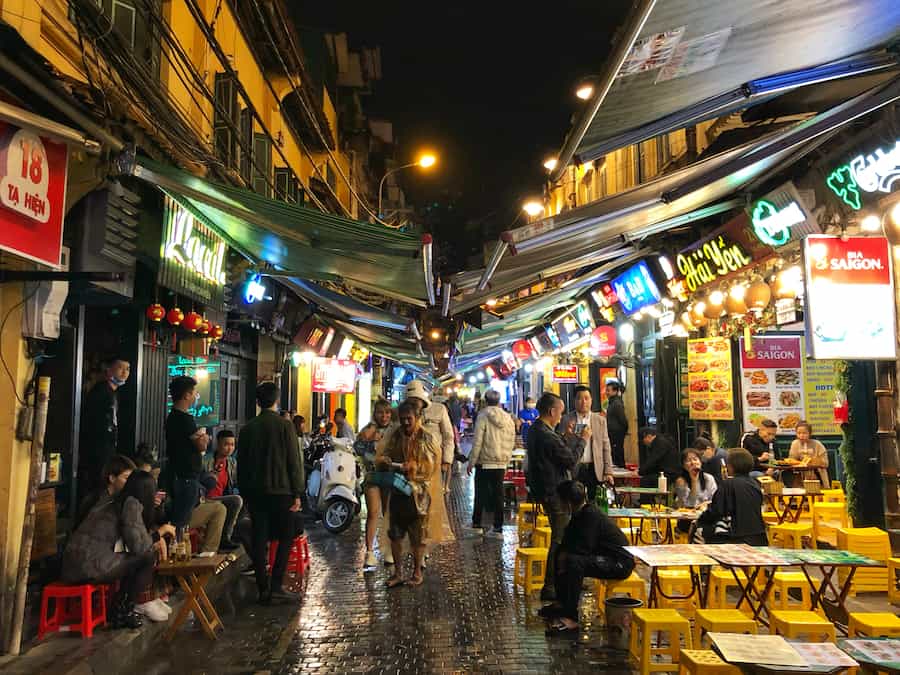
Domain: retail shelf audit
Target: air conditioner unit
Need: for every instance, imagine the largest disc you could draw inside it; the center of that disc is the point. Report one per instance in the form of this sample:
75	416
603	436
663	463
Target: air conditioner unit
44	304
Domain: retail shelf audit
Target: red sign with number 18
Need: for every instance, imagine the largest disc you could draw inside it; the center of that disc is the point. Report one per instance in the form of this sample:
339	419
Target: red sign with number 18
32	194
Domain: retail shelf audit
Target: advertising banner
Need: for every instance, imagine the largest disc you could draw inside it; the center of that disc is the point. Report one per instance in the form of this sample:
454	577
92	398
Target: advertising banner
603	341
565	374
207	406
710	388
333	376
635	288
32	194
850	298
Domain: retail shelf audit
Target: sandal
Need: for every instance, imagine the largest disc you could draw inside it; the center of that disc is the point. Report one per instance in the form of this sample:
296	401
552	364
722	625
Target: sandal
416	581
394	582
560	630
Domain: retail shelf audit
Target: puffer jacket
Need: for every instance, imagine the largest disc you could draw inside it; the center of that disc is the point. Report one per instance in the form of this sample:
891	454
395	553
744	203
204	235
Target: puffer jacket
495	438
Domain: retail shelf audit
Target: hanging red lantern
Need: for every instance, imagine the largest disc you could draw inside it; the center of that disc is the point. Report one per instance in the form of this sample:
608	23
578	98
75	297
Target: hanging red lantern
156	312
175	316
205	325
216	332
193	321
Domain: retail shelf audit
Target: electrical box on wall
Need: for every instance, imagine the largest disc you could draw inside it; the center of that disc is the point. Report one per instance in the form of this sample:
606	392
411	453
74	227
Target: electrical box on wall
43	304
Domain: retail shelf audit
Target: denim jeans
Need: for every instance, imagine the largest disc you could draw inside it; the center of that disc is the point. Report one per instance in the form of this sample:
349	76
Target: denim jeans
185	495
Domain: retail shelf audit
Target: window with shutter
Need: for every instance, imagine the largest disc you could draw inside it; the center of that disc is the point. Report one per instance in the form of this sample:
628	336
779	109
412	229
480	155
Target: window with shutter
663	152
245	149
330	176
287	187
262	164
225	117
130	19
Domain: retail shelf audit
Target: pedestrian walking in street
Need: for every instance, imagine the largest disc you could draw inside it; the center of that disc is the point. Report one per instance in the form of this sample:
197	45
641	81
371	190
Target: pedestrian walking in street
495	439
551	460
185	445
595	465
413	450
592	546
616	421
271	482
376	496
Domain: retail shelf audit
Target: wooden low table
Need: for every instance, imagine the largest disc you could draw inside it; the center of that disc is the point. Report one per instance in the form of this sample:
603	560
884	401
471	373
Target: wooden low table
193	576
795	497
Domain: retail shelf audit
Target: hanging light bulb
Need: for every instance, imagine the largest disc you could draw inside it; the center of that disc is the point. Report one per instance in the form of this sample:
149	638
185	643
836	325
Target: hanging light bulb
714	305
788	283
699	309
734	302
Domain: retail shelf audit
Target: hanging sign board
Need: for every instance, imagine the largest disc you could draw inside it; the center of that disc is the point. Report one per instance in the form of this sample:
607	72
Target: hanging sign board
772	382
726	252
709	379
522	350
333	376
635	288
875	171
32	194
207	405
565	374
781	216
603	341
850	298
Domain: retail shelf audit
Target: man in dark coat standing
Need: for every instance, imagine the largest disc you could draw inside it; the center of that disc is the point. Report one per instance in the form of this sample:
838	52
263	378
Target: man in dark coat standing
616	422
271	482
100	424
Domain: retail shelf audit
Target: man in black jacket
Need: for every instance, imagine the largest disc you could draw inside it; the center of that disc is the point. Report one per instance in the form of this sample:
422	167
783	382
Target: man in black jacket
271	482
551	460
761	444
661	457
616	422
100	424
592	546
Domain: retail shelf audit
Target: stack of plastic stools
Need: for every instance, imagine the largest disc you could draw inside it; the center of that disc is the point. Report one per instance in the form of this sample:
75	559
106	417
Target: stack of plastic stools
74	609
893	591
541	537
873	543
298	560
644	623
530	568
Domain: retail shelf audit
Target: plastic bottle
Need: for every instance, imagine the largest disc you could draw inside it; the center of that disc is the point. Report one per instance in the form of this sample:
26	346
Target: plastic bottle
662	484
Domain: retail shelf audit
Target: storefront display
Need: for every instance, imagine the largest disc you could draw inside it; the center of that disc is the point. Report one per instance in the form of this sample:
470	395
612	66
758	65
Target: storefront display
32	194
333	376
710	387
850	298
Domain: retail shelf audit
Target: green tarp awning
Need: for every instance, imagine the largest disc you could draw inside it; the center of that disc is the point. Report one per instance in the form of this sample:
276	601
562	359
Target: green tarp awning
296	240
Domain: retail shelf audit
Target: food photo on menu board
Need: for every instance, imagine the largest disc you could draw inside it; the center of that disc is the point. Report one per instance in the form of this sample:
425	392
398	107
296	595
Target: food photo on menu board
710	391
772	381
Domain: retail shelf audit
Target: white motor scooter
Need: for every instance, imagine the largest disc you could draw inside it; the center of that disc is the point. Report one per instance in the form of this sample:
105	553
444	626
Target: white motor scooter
333	486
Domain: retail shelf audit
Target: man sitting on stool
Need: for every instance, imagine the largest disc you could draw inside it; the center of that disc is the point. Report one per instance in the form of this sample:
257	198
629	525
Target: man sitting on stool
592	546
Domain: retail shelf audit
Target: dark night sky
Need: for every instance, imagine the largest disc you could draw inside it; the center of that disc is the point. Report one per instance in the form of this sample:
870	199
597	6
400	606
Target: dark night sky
489	87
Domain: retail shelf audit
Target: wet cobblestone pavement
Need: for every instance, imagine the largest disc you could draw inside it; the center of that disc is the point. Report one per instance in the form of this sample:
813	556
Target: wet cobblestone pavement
465	618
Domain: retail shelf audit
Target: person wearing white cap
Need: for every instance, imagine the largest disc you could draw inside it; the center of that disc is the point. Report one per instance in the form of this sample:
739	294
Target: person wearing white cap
436	420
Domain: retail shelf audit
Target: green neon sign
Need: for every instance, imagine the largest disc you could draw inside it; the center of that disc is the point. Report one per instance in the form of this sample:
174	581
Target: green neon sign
843	184
773	225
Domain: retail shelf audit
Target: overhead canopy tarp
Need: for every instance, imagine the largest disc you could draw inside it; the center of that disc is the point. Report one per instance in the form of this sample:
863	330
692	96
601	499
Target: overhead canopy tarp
345	306
701	57
298	241
671	200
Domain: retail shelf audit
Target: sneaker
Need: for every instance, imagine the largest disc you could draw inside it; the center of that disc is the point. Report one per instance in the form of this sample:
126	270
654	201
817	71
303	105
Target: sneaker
249	572
496	533
163	605
152	611
371	560
281	594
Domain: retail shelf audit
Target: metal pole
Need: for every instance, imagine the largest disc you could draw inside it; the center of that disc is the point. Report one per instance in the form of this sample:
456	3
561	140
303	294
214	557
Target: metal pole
381	185
37	453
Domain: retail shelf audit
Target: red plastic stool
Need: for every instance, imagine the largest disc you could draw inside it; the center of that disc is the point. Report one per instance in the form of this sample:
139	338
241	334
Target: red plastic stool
73	609
298	560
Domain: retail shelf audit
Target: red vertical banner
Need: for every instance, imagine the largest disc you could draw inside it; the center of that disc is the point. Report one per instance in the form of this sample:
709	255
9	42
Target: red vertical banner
32	194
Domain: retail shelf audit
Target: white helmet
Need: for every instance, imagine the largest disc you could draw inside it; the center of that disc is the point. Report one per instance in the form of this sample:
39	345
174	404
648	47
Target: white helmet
416	389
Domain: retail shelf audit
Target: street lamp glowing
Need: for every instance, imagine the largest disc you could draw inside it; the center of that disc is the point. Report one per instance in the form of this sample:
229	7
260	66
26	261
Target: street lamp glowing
550	163
427	160
533	208
585	91
870	223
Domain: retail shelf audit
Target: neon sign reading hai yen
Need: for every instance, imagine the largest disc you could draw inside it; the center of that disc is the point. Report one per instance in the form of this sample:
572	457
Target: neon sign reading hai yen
193	246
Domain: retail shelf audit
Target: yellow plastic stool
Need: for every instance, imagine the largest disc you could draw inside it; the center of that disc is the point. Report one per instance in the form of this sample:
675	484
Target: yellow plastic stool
871	542
796	623
770	517
783	582
526	515
834	495
720	580
542	521
675	582
721	621
704	662
893	592
827	518
790	535
541	537
634	587
873	624
531	566
644	623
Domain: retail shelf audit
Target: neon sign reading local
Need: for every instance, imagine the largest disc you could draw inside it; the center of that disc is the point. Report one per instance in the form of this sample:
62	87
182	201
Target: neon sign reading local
874	172
773	225
718	257
189	245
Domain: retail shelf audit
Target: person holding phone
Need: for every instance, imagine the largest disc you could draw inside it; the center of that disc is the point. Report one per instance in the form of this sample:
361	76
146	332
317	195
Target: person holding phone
595	464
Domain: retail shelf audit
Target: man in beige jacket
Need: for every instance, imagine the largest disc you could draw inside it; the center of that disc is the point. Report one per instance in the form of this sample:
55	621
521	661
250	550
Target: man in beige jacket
595	465
495	438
